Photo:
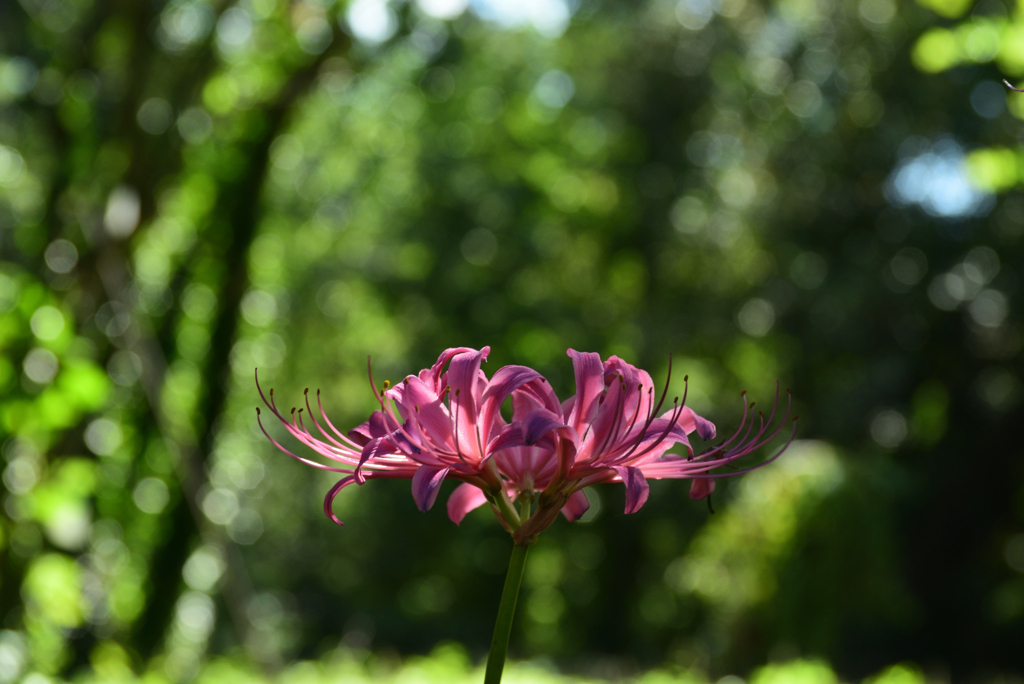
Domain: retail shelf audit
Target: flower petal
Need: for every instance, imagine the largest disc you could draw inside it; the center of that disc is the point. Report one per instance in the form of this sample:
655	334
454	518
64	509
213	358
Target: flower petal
424	407
702	487
464	398
329	499
510	436
433	374
372	449
539	423
505	381
690	421
426	484
464	499
637	489
576	506
589	385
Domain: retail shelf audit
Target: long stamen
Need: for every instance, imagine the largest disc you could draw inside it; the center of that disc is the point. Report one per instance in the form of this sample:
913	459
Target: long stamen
373	385
676	412
327	420
739	428
612	433
381	399
270	403
654	412
677	409
301	434
308	462
708	475
721	448
664	392
745	447
636	412
619	405
348	442
775	404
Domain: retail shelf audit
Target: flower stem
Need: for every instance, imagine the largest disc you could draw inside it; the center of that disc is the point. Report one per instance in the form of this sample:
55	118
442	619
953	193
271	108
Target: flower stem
506	611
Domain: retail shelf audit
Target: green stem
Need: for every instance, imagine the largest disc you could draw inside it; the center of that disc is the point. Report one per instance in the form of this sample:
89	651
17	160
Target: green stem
507	511
506	610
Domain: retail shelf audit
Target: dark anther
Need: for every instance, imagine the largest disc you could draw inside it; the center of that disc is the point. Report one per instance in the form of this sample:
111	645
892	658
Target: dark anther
257	410
305	392
709	505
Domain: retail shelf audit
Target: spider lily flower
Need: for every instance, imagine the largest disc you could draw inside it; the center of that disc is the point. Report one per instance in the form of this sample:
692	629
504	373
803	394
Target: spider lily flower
442	423
611	431
446	423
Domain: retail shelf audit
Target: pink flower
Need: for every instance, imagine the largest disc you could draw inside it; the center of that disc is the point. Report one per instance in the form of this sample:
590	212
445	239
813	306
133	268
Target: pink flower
437	425
446	423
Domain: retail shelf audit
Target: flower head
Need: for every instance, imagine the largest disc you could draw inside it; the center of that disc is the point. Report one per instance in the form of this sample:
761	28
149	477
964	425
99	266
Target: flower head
446	423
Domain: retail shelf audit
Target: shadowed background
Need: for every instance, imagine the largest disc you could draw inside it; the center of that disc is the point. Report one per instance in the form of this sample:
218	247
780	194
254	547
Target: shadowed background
823	193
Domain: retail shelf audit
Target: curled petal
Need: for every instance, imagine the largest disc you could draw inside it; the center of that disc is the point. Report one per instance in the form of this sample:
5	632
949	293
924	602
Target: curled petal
527	387
426	484
371	429
372	449
510	436
702	487
539	423
463	372
433	375
464	499
576	506
637	489
705	428
505	381
329	499
534	430
532	396
690	421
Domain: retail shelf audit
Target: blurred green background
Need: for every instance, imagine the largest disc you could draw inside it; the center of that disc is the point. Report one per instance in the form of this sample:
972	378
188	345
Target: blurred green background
821	192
